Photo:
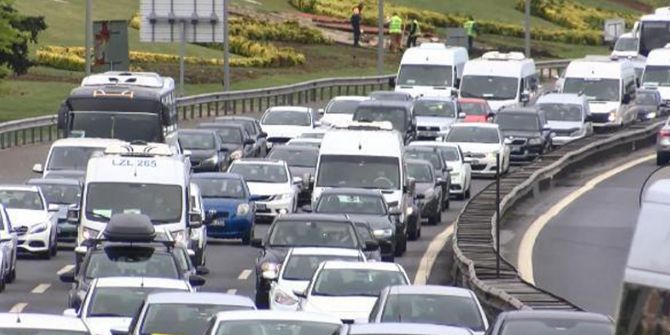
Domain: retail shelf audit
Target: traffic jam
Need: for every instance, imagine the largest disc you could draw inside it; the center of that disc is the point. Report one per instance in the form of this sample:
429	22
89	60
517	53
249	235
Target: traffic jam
343	190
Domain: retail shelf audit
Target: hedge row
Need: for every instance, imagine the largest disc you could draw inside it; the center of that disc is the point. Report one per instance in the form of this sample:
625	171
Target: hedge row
574	15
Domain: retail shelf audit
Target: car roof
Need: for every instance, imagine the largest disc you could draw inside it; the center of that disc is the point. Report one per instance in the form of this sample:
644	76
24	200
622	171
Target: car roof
473	100
41	321
391	328
380	266
350	98
430	289
420	149
206	298
19	187
296	147
215	175
86	142
277	315
562	98
432	144
386	103
266	161
141	282
197	130
235	118
475	125
205	125
306	217
547	314
418	161
289	109
436	98
352	191
54	181
519	110
324	251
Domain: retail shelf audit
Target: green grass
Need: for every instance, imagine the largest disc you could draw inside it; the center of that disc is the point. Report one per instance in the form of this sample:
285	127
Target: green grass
543	49
266	5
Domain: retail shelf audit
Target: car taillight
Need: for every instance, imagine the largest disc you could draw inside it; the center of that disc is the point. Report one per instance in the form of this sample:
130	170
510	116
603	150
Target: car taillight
664	133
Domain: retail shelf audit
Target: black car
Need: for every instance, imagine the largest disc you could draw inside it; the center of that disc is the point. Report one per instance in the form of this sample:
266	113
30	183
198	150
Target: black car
234	138
302	230
428	189
63	193
253	127
390	96
207	151
301	161
130	248
647	104
368	206
527	130
399	113
434	156
550	323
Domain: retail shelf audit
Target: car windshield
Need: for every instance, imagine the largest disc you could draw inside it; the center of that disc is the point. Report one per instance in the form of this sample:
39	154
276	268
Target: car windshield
594	89
11	199
659	75
562	112
351	204
434	108
287	118
643	98
197	141
517	122
118	301
124	126
438	309
261	173
271	327
342	107
626	44
431	156
555	326
161	203
232	135
653	35
221	188
248	125
35	331
473	135
131	262
359	172
302	267
355	282
422	173
295	157
450	154
473	108
61	194
425	75
70	158
182	319
489	87
313	234
397	116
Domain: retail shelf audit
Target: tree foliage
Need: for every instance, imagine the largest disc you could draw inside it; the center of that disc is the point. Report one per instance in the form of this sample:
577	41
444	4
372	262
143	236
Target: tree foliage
16	32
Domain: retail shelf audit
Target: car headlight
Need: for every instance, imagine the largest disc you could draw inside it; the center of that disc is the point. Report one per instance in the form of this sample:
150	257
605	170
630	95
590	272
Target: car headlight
454	173
282	196
242	209
492	154
178	235
651	115
283	298
236	155
612	115
409	211
535	141
88	233
212	160
382	233
38	228
269	266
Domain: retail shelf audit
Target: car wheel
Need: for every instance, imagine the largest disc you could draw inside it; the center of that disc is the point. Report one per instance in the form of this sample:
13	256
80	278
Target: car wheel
248	236
435	219
262	299
11	276
2	284
661	159
398	247
54	249
413	232
466	195
447	204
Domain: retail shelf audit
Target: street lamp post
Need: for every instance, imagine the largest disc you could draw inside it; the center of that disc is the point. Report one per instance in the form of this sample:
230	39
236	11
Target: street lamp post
498	214
380	38
527	28
88	34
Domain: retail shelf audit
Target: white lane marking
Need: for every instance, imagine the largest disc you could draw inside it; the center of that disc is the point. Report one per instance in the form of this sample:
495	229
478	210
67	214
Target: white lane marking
65	269
231	291
429	257
41	288
18	308
244	275
525	258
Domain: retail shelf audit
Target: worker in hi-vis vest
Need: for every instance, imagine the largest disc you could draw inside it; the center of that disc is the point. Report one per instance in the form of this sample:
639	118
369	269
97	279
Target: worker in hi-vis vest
414	33
470	27
395	29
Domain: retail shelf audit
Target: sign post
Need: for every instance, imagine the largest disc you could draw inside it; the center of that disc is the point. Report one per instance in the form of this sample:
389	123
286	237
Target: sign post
110	49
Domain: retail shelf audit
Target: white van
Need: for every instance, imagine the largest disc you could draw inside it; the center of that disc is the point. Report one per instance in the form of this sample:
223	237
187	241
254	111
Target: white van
643	304
144	179
657	72
71	155
432	69
500	78
609	85
360	156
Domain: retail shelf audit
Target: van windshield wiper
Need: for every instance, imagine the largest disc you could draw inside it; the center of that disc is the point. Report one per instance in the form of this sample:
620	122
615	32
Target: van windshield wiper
97	216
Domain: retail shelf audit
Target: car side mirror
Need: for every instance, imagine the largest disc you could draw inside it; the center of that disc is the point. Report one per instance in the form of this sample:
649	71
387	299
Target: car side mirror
395	211
371	246
249	142
67	277
195	219
507	141
307	208
70	312
525	97
467	160
392	82
38	168
626	98
119	331
53	208
254	197
257	242
297	181
450	169
262	134
73	215
270	275
420	196
546	128
440	182
201	270
410	185
300	293
187	153
461	115
196	281
588	118
321	111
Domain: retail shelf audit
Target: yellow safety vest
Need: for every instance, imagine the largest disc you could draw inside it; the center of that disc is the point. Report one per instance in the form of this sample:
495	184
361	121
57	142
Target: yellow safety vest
395	27
470	28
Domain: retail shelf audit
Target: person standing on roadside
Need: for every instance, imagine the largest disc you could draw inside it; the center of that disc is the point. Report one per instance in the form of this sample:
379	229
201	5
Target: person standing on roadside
414	33
395	29
470	27
356	25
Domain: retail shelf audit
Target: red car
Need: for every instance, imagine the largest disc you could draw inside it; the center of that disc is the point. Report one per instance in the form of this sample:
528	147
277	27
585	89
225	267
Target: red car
474	110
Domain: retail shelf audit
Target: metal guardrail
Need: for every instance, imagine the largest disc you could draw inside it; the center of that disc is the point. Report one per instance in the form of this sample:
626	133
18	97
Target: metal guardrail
474	252
43	129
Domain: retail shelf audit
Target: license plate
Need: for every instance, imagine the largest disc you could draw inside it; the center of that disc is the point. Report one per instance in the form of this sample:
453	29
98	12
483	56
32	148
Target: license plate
219	223
261	206
516	148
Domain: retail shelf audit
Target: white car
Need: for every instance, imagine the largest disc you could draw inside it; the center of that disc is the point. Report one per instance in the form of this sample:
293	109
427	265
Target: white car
310	142
72	154
460	171
32	219
111	302
8	243
198	234
348	290
274	190
29	323
340	110
480	143
272	322
298	268
283	123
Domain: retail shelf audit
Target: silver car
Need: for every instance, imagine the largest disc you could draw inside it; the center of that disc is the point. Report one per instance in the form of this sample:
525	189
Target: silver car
568	116
663	144
7	250
434	116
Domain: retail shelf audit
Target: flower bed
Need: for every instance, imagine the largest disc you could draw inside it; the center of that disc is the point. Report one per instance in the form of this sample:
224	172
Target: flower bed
573	15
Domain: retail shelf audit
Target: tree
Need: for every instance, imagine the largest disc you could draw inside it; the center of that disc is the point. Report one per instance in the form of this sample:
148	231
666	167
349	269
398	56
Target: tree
16	31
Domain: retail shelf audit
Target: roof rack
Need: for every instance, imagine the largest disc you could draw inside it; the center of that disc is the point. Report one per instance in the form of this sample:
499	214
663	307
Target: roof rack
140	149
129	228
497	55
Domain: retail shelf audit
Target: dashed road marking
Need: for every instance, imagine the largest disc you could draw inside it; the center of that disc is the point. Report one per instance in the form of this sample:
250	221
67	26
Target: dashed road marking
244	275
231	291
65	269
41	288
18	308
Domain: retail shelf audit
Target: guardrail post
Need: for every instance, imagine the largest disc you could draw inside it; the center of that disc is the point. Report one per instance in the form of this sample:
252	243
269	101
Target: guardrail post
235	106
244	106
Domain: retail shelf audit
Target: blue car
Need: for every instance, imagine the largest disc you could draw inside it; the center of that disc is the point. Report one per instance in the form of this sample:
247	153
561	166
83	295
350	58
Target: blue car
229	208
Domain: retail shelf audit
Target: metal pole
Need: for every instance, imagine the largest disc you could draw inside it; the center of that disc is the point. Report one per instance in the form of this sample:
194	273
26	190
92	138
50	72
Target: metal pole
498	215
226	48
527	28
380	38
182	52
88	34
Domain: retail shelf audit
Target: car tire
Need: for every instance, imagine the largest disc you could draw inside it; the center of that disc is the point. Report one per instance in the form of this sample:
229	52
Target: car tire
397	252
435	219
466	194
413	233
262	300
447	204
54	249
11	276
661	159
3	284
248	236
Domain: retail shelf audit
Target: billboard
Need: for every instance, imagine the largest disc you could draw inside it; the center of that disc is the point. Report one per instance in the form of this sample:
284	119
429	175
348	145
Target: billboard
164	20
110	46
